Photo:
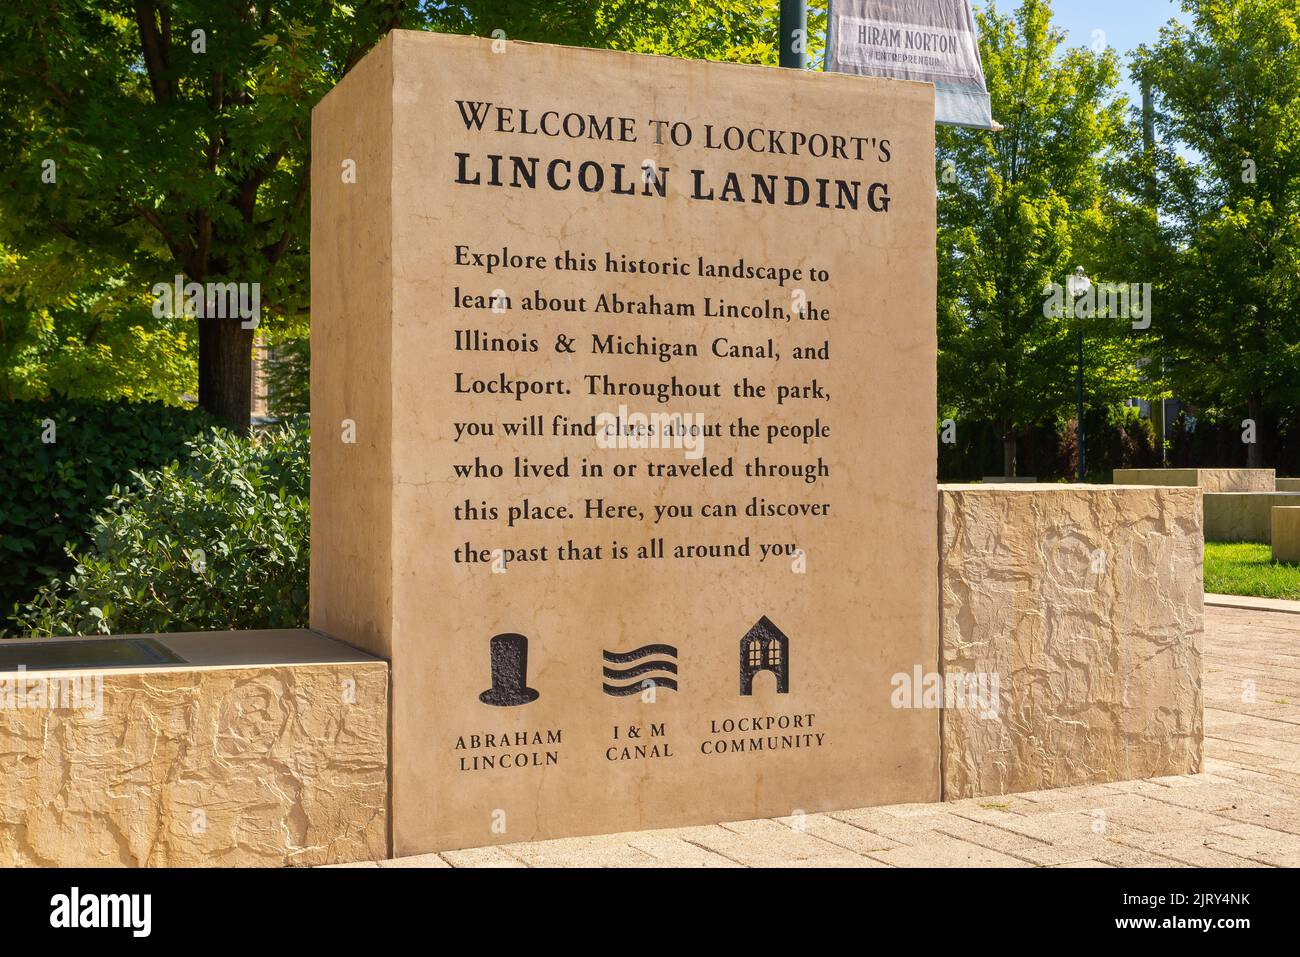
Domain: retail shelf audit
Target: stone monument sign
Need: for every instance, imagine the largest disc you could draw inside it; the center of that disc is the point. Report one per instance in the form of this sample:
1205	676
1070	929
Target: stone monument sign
623	405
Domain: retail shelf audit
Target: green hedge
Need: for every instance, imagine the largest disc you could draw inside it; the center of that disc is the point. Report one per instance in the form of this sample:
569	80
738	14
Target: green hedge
50	489
217	541
1117	437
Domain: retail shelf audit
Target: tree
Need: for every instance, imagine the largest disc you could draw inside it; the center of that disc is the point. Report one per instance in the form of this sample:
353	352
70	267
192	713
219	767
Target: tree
1227	88
72	328
1018	210
175	138
171	137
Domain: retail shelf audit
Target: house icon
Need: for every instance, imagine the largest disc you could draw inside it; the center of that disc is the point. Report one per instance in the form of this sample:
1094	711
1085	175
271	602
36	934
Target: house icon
764	648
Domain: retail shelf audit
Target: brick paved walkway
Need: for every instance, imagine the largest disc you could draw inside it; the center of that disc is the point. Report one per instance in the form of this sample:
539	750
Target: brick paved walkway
1243	811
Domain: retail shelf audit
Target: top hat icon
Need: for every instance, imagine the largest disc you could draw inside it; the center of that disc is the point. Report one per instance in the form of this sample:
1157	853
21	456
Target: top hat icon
509	673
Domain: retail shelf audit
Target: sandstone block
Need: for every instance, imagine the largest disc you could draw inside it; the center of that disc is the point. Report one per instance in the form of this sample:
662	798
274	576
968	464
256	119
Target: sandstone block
1286	534
229	757
1243	516
1207	480
1081	606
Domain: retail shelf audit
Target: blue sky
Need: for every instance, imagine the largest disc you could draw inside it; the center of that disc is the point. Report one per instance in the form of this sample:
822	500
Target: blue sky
1125	23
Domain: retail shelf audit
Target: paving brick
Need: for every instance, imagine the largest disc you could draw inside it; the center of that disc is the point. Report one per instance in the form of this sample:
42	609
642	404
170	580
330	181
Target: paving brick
1012	843
1141	813
848	836
1121	855
1191	849
1002	804
1212	798
767	843
942	851
419	860
895	829
1085	864
1258	843
669	850
995	813
1062	827
481	857
582	852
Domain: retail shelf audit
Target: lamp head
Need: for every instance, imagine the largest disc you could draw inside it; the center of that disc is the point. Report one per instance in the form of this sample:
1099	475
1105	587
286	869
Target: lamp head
1079	283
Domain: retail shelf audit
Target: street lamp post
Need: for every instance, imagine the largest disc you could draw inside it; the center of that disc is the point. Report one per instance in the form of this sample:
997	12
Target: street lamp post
794	34
830	34
1078	285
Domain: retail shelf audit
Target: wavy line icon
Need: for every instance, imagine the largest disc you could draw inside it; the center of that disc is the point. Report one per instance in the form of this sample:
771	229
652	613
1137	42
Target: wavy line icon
649	660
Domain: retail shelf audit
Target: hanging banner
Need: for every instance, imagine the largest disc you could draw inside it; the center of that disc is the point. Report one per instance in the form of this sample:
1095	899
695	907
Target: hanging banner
933	41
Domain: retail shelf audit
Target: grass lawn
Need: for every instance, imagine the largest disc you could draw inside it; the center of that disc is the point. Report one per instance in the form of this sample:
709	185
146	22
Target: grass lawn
1245	568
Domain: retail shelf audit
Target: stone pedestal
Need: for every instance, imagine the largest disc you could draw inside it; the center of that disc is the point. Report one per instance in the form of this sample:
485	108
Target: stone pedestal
260	748
1207	480
542	253
1243	516
1286	533
1070	635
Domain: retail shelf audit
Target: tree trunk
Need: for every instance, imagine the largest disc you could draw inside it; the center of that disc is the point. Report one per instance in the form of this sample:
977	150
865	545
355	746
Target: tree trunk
226	371
1008	454
1255	450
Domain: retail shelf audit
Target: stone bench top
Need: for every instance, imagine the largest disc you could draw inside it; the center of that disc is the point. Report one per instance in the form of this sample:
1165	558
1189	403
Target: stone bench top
193	649
1252	495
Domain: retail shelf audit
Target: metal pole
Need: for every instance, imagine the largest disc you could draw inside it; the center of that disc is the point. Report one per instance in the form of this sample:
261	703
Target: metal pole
830	34
1164	433
794	34
1149	137
1081	436
1149	146
1164	421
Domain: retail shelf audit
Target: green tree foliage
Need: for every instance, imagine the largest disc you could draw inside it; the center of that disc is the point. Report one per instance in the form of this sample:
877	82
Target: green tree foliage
218	542
1227	85
742	31
71	325
61	460
172	138
1019	209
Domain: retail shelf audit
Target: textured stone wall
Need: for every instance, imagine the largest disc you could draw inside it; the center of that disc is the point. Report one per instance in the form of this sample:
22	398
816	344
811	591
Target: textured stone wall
1286	534
273	765
1085	602
1243	516
1207	480
1236	480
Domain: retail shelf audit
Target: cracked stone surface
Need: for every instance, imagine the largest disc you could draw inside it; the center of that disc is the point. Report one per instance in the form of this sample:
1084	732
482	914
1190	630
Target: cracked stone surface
1085	604
195	767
